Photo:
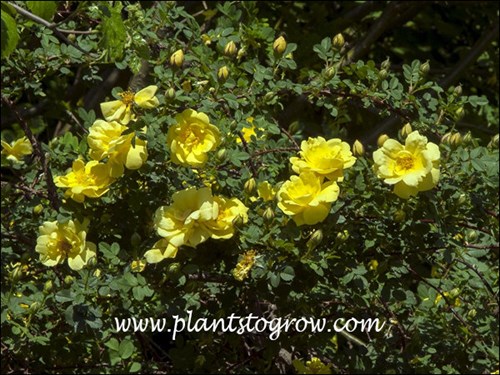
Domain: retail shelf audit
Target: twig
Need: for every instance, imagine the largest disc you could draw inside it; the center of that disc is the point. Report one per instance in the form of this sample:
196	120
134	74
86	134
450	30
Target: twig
51	188
474	268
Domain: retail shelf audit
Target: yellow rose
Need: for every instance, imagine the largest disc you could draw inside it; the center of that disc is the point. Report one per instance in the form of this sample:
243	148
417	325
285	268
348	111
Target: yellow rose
192	138
16	150
184	221
85	180
121	110
306	198
325	158
410	168
58	241
314	366
162	249
105	140
229	210
245	264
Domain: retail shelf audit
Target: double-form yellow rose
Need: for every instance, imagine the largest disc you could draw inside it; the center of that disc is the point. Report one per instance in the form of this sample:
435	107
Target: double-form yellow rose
307	198
105	140
90	180
411	168
191	138
121	110
60	241
193	217
324	158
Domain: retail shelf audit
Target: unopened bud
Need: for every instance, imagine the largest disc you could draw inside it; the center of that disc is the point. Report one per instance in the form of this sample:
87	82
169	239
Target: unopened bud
330	72
16	272
382	74
373	265
47	287
457	91
446	139
455	140
177	58
92	261
223	73
399	216
381	139
358	148
97	273
472	314
250	185
230	49
467	139
462	199
459	113
206	39
386	64
221	154
35	306
68	279
338	41
494	142
471	235
37	210
315	239
279	45
269	96
71	37
455	292
174	268
343	236
406	130
241	53
268	214
170	94
425	67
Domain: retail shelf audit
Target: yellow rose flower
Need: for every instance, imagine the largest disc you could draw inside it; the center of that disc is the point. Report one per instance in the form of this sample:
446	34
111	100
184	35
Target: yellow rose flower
121	110
306	198
184	221
410	168
229	210
85	180
162	249
16	150
105	140
58	241
325	158
192	138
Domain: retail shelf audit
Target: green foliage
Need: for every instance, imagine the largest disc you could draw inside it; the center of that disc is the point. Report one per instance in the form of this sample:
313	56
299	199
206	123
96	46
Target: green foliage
426	266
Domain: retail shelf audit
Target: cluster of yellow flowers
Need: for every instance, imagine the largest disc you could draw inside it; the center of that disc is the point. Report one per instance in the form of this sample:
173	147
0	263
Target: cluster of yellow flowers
314	366
411	168
107	141
307	198
194	216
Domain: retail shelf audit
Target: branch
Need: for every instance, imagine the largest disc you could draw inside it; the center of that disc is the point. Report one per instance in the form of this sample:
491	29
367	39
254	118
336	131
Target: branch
51	188
58	33
394	13
482	44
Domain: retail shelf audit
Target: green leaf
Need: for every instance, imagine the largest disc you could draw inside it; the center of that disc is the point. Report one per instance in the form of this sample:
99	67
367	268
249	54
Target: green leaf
126	349
287	274
10	36
43	9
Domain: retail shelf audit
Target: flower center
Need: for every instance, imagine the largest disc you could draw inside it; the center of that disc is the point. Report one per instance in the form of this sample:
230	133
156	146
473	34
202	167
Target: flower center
84	179
64	245
405	163
189	137
127	97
